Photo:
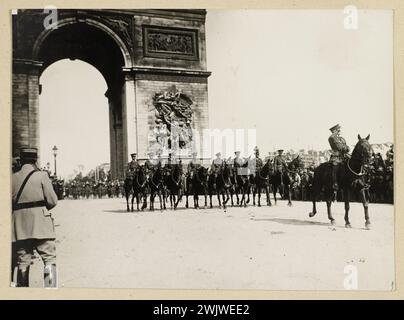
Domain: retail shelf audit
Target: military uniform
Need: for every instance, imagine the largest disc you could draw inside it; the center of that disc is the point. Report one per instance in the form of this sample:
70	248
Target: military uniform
338	146
216	164
339	150
132	166
32	223
279	163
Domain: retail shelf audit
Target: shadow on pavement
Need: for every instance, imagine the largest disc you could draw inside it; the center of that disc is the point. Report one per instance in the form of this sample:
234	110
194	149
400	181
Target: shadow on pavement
296	222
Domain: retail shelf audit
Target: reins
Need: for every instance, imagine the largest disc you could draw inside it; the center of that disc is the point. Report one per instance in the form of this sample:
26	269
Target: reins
360	174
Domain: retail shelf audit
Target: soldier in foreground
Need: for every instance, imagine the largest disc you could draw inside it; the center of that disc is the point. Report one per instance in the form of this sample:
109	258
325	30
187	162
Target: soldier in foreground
33	227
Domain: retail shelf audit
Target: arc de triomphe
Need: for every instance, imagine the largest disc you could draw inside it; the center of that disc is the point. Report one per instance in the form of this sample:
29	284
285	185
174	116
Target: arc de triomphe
140	53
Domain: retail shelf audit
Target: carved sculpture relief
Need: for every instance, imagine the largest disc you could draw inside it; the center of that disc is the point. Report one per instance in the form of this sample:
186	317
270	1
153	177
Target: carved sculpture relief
173	117
170	43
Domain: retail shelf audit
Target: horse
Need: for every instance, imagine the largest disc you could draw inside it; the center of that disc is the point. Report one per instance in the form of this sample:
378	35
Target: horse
173	182
294	179
128	187
139	187
156	185
198	184
224	184
261	181
350	177
282	181
212	187
241	183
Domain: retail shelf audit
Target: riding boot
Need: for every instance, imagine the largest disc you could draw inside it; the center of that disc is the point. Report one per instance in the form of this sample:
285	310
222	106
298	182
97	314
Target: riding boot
50	278
23	277
335	180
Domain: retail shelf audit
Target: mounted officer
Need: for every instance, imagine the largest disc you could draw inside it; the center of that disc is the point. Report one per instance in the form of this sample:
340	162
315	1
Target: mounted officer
280	164
257	162
151	162
33	227
193	165
217	163
238	163
339	151
132	165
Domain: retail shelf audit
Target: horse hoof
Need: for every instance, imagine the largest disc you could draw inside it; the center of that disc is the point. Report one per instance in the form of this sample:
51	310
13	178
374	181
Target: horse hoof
312	214
289	204
348	225
333	222
259	204
367	225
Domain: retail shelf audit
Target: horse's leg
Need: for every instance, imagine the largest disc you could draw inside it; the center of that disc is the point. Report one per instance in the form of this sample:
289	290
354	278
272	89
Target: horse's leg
259	196
206	200
144	195
151	201
231	197
314	198
210	200
330	217
186	199
268	194
178	199
161	199
133	199
346	200
127	200
254	192
366	208
275	189
289	194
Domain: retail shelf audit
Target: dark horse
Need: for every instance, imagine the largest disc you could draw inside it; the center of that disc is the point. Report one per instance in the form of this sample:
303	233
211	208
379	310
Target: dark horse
197	184
139	187
135	183
241	184
128	187
284	180
350	178
173	182
261	181
223	184
156	185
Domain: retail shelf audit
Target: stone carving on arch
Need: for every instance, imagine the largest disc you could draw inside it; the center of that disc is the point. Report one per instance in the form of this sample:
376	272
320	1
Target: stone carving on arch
173	118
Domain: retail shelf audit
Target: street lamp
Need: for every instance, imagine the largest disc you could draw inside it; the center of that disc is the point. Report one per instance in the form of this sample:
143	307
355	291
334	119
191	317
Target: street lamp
55	152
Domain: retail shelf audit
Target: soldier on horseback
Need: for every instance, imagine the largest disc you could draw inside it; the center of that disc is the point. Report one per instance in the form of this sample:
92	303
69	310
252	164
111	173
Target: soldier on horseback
257	162
280	164
150	163
193	165
132	165
339	151
217	163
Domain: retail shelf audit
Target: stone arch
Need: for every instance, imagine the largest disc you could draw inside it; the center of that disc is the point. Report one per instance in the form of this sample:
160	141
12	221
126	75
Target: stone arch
51	46
68	21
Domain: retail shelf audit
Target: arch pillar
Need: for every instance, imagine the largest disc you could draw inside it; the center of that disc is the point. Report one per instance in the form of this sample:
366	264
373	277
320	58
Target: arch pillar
25	100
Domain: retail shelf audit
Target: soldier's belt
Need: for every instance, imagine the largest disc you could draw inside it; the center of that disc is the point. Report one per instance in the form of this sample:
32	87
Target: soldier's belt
28	205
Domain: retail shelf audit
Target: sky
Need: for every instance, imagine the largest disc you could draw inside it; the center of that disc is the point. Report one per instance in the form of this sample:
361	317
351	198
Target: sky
290	75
